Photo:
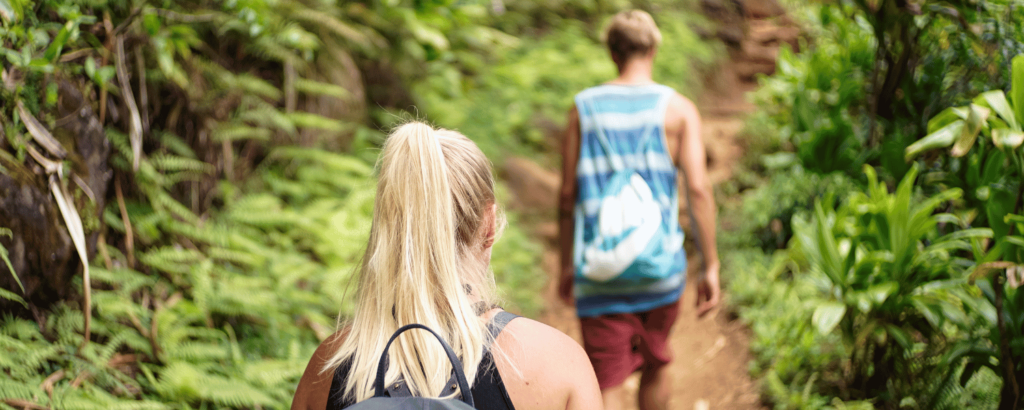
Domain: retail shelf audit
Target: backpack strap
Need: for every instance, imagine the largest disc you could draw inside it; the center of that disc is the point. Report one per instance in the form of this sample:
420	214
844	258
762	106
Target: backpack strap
401	389
460	376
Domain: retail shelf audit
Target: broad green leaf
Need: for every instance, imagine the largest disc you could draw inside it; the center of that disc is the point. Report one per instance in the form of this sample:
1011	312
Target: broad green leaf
1000	203
827	248
1007	138
972	126
946	117
827	316
1017	88
997	101
941	138
967	234
926	308
53	51
948	218
880	292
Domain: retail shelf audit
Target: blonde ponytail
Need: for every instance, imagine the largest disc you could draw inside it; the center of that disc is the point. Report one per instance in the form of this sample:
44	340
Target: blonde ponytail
433	191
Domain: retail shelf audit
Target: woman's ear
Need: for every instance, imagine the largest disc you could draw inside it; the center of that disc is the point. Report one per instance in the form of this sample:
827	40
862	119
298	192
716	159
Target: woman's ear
490	225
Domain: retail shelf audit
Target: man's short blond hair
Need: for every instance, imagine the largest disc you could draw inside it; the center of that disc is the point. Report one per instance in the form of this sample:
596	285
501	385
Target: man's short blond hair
631	33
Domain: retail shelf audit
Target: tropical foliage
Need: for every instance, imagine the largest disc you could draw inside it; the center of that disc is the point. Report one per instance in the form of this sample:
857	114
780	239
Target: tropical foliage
900	292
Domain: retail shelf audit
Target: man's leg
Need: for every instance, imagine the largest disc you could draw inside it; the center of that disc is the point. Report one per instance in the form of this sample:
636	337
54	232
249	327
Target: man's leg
608	341
656	381
655	386
614	397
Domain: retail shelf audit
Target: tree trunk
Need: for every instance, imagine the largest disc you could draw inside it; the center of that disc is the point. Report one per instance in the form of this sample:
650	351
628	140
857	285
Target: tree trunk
41	250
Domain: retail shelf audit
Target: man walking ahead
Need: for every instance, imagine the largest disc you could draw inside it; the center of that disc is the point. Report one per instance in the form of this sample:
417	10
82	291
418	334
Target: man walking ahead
621	244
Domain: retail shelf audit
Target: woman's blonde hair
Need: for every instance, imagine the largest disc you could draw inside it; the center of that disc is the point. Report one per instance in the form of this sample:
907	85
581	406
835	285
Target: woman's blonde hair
431	220
631	33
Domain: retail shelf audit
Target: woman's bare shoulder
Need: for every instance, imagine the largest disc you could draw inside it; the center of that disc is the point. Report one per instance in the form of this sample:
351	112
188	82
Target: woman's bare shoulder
544	368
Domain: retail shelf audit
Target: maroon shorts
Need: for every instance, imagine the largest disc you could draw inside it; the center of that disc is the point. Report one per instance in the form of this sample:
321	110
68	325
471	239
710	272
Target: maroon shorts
621	344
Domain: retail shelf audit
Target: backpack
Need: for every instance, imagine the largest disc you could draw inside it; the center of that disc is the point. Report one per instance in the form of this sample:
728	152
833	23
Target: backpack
380	401
631	243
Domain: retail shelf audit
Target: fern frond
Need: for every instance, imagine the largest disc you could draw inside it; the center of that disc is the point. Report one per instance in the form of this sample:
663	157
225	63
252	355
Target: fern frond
362	37
171	259
236	132
174	143
124	279
257	86
197	352
12	389
316	121
6	294
321	88
161	199
21	329
209	232
269	49
120	142
335	162
272	372
266	116
66	323
170	163
237	257
201	285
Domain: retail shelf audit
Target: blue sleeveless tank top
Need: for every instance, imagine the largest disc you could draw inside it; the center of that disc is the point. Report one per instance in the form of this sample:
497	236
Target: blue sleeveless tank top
624	126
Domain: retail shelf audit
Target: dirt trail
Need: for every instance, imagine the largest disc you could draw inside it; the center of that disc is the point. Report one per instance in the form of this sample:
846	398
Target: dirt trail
711	354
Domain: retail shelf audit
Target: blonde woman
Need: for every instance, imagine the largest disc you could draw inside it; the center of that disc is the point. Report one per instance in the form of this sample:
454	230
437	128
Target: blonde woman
434	222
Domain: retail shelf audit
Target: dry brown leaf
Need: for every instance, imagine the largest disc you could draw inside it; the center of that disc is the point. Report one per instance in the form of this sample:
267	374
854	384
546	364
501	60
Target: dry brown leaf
135	120
40	134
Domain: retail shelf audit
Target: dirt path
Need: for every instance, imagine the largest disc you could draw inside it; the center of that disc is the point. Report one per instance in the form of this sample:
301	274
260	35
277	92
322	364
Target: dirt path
711	354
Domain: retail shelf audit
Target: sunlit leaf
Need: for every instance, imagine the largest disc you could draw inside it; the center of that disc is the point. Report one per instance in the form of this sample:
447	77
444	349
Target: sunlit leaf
1007	138
880	292
53	51
967	234
946	117
941	138
997	101
972	127
827	316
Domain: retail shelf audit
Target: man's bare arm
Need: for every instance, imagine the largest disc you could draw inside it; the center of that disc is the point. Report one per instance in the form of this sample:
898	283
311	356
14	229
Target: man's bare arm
693	160
566	204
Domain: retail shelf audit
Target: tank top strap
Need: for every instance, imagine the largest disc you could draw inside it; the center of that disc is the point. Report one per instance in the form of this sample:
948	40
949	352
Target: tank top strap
497	324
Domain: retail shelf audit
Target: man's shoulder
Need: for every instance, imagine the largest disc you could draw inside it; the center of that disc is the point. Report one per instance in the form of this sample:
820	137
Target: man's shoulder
681	108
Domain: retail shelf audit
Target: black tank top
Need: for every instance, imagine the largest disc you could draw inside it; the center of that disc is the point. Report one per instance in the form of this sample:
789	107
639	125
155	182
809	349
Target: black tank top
488	389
